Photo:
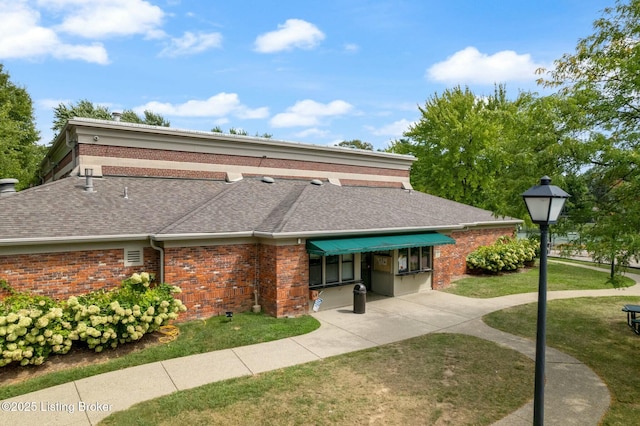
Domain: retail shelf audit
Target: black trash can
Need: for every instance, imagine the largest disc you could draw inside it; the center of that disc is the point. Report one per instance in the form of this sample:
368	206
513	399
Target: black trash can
359	298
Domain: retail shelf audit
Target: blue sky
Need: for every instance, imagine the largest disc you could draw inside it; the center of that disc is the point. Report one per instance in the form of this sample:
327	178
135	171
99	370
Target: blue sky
316	71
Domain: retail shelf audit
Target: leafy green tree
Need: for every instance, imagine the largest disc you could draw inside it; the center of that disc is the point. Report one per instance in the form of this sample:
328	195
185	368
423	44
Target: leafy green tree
86	109
452	141
601	78
150	118
486	151
20	154
234	131
357	144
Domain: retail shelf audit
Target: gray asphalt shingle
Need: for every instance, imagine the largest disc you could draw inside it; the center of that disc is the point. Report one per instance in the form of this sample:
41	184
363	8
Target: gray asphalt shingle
187	206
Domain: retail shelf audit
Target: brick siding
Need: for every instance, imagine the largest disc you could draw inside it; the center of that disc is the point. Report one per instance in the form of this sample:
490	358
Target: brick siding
60	275
237	160
172	173
453	257
213	279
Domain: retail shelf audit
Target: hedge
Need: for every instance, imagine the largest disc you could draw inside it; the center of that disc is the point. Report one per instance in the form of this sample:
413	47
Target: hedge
507	254
32	327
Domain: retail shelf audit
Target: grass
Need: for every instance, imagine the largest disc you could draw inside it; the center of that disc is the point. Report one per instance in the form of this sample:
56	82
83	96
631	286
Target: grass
595	331
559	277
195	337
432	379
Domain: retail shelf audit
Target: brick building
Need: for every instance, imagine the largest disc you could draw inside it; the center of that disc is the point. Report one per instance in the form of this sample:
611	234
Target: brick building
237	222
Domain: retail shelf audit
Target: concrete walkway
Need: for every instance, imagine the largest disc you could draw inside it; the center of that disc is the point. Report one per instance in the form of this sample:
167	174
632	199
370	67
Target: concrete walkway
574	395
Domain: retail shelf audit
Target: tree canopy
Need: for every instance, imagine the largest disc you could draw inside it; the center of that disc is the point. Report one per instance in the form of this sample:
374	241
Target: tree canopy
20	153
357	144
485	150
602	78
86	109
241	132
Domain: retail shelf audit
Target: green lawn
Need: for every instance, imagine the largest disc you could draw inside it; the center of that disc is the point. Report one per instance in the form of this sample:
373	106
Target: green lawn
433	379
595	331
195	337
559	277
430	380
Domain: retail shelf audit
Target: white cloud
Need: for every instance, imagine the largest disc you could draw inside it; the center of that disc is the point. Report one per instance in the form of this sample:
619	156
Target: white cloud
351	48
219	105
395	129
21	36
293	33
190	44
51	103
309	113
312	132
107	18
470	66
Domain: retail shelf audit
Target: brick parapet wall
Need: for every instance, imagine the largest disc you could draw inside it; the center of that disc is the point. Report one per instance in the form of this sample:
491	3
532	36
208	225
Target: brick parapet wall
64	274
172	173
234	160
452	261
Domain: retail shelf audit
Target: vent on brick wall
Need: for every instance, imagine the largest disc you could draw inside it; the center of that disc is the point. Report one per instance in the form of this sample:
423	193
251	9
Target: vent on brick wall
133	256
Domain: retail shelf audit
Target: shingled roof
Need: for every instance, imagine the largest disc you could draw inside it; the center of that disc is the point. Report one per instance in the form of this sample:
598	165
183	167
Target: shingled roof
188	208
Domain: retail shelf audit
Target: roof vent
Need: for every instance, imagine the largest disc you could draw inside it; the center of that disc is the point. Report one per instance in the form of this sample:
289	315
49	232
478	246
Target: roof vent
88	184
267	179
7	186
116	116
316	182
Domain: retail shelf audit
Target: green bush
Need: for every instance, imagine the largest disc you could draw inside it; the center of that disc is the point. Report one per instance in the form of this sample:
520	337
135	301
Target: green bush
507	254
32	327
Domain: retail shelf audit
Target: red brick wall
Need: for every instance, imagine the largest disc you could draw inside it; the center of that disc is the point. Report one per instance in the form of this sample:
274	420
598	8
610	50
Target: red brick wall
60	275
268	278
174	173
453	257
213	279
284	280
204	158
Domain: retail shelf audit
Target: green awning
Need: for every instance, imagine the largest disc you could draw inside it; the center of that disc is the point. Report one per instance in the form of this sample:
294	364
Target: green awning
329	247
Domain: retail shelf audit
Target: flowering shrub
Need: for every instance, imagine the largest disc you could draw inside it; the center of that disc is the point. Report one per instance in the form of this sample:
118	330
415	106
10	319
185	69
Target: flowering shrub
32	327
507	254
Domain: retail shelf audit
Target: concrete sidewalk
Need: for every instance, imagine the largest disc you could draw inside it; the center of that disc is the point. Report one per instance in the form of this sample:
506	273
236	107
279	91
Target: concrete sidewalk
573	393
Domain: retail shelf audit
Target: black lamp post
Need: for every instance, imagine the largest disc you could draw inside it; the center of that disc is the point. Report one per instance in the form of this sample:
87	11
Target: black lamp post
544	203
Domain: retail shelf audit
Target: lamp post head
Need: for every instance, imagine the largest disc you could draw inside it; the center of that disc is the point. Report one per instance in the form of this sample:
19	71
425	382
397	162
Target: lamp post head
544	202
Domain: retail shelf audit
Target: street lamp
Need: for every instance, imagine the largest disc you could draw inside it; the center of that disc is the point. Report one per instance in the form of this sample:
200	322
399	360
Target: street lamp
544	203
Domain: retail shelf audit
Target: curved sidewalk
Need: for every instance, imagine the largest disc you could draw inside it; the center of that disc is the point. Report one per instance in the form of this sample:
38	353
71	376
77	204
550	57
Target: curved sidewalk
574	394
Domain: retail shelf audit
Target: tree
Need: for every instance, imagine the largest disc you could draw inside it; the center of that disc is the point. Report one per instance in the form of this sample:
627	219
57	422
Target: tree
486	151
601	78
357	144
234	131
86	109
20	154
453	143
150	118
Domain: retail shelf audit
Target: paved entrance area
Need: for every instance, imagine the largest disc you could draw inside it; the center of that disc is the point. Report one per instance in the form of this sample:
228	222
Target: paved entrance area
574	395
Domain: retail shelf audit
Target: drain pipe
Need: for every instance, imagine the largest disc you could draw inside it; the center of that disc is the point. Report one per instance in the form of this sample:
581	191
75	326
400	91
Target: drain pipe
161	250
256	307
